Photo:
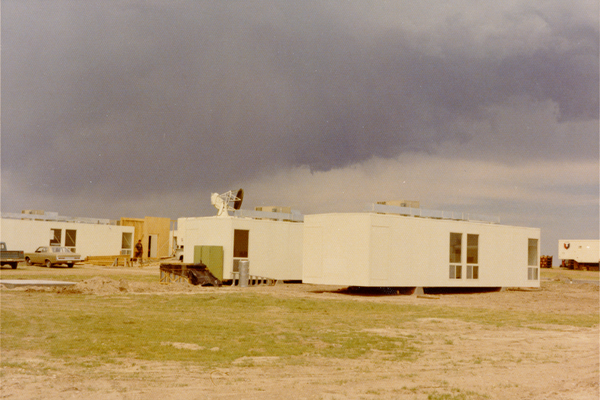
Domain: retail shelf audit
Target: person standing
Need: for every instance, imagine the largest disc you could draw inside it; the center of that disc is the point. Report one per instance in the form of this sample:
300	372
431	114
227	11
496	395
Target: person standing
139	250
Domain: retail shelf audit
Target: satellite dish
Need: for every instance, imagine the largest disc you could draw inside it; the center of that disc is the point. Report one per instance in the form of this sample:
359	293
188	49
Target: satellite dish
240	196
222	202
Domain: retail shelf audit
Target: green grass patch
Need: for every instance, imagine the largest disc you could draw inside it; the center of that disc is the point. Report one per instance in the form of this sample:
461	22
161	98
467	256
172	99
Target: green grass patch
216	329
562	273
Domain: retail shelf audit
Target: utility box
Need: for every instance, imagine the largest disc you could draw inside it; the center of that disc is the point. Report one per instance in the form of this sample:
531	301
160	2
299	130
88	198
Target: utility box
212	257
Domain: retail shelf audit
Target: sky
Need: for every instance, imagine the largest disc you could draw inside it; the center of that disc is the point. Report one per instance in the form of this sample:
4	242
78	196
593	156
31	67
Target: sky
128	108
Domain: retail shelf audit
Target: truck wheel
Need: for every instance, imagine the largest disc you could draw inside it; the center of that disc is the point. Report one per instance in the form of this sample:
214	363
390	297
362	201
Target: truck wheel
28	261
48	264
69	265
13	265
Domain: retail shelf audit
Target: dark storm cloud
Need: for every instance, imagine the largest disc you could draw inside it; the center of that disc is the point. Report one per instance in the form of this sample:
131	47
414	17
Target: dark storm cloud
143	97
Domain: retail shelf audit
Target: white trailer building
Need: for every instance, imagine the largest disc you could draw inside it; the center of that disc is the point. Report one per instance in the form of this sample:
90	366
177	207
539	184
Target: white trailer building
270	241
404	247
580	254
86	236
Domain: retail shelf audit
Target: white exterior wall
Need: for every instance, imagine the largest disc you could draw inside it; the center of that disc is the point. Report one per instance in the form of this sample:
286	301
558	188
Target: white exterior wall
582	251
366	249
91	239
274	247
206	231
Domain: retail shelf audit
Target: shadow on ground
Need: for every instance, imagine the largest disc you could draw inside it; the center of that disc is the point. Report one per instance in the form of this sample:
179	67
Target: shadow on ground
406	291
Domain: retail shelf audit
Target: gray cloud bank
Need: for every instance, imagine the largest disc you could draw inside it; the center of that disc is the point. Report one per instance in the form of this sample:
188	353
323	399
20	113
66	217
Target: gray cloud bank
139	98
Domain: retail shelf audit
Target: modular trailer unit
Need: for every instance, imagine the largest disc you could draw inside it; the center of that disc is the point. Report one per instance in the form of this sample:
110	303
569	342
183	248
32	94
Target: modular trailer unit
386	250
272	247
580	254
88	237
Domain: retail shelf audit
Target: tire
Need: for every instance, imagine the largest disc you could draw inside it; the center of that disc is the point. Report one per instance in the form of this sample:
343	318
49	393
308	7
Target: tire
48	264
28	261
13	265
69	265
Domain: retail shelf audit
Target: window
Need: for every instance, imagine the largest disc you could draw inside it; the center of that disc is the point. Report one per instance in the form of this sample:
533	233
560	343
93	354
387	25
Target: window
70	239
55	237
532	259
455	271
532	274
532	253
472	272
126	243
472	256
455	247
456	256
240	243
472	249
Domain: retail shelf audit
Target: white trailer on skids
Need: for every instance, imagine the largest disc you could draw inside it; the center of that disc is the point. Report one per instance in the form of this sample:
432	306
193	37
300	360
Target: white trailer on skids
403	247
579	254
273	247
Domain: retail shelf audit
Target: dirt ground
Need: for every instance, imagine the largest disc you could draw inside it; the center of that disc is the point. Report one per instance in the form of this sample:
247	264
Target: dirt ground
460	360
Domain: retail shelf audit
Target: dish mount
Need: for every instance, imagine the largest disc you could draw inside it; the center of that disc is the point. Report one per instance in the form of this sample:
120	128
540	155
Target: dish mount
228	201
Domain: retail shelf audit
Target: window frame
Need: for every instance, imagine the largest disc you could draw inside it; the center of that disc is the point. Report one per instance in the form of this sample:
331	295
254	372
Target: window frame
473	255
455	255
127	243
463	252
455	271
532	273
533	258
472	271
71	239
55	240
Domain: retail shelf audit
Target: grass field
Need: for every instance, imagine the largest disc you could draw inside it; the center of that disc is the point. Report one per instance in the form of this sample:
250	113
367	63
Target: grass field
551	273
325	343
226	326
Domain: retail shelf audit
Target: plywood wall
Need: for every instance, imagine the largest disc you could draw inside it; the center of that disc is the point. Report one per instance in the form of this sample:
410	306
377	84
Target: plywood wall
151	226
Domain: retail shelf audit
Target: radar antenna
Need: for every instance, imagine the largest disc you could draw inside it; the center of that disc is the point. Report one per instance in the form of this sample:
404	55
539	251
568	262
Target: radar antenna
222	201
